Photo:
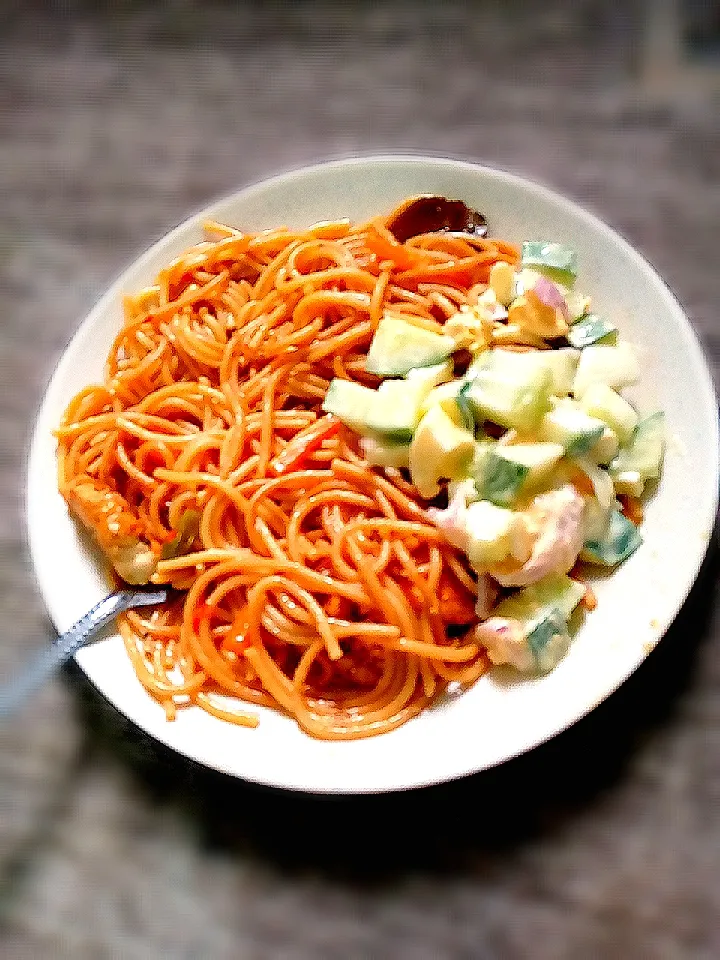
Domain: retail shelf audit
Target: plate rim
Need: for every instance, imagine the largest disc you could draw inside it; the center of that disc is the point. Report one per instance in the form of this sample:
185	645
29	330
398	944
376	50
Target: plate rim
705	390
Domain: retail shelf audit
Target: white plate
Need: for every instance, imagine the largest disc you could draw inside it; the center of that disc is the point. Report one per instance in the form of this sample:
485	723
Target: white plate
495	720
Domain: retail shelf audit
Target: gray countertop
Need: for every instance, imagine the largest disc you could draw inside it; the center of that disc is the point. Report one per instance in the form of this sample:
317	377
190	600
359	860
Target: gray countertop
601	844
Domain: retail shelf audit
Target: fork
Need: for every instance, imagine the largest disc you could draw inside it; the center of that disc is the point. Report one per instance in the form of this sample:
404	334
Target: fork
15	693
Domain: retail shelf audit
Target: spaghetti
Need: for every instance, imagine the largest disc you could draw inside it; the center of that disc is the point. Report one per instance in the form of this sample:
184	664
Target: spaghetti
306	580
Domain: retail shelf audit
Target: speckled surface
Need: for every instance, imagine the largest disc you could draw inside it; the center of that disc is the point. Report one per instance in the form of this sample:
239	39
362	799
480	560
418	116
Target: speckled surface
601	844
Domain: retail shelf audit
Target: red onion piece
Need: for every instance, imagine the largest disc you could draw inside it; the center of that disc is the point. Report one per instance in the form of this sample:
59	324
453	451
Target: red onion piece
546	291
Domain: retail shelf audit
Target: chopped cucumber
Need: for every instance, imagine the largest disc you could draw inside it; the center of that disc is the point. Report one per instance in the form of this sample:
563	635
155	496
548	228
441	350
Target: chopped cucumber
483	449
603	402
506	470
539	458
555	591
508	404
605	447
445	396
465	407
620	541
352	403
492	532
645	452
616	367
595	520
511	395
561	365
500	480
390	413
573	428
541	612
381	454
554	260
398	408
549	640
589	329
398	346
440	450
432	376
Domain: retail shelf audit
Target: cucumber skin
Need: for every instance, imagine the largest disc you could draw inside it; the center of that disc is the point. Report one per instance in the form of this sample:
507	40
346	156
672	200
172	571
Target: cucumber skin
540	254
546	653
556	590
589	329
621	541
501	480
576	442
649	432
360	409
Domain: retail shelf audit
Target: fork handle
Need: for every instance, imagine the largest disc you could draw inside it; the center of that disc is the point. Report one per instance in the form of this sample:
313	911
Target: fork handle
16	692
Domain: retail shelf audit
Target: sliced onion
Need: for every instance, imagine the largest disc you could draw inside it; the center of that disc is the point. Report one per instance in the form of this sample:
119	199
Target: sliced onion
601	481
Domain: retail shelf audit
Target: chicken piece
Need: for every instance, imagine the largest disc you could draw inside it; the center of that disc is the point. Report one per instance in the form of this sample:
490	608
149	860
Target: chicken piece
557	519
109	517
453	520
